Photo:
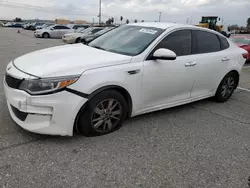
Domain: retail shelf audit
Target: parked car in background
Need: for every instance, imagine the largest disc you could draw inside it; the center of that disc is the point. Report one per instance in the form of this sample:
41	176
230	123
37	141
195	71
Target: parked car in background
243	42
44	25
8	24
77	26
16	25
88	38
54	31
71	38
33	26
131	70
26	25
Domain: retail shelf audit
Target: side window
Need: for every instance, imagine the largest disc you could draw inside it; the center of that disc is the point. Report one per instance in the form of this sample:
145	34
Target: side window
63	27
178	41
223	43
57	27
205	42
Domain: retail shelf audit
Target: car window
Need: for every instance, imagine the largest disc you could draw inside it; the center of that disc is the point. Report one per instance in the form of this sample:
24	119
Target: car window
205	42
60	27
241	40
178	41
223	43
96	30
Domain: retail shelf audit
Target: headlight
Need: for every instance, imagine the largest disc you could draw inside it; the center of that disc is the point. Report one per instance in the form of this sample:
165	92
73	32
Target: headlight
42	86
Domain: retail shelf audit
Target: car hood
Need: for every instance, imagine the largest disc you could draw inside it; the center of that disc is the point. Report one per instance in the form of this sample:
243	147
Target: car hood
73	35
67	60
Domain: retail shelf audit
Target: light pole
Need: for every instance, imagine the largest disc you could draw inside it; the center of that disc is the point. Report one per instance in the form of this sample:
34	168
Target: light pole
100	12
159	16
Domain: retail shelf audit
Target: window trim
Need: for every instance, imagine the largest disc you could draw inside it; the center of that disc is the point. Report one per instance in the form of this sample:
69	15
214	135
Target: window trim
148	56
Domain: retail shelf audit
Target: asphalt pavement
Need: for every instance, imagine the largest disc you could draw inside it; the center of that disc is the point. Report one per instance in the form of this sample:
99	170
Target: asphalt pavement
200	145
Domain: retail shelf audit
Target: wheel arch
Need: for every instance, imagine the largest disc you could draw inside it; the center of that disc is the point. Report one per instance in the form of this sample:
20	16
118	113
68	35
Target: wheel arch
120	89
238	76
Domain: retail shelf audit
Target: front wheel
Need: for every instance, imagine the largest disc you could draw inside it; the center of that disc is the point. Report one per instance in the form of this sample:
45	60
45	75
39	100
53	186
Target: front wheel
226	87
105	113
46	35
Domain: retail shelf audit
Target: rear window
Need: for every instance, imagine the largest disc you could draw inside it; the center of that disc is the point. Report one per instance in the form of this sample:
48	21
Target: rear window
223	43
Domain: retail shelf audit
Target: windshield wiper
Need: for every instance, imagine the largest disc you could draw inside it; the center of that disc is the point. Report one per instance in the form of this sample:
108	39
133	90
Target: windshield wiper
98	47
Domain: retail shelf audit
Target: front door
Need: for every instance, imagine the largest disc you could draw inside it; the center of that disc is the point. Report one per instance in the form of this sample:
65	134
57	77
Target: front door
169	81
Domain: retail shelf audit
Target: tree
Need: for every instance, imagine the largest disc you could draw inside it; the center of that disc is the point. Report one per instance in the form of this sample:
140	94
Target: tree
17	20
121	18
127	21
135	21
248	23
142	21
112	20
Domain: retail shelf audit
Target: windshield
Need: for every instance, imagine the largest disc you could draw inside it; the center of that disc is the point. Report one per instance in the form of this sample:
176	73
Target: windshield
103	31
127	39
241	40
86	30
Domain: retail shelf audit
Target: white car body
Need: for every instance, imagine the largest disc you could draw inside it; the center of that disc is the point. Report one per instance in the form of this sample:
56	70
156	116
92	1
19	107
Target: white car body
71	38
151	84
55	31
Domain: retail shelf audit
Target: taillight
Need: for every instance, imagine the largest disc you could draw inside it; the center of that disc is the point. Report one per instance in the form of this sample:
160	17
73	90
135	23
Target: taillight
245	55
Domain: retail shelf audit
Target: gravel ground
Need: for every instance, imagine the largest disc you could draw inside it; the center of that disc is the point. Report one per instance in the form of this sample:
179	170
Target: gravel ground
200	145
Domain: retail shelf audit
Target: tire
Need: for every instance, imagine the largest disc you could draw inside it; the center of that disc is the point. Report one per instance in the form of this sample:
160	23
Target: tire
78	40
97	119
46	35
226	88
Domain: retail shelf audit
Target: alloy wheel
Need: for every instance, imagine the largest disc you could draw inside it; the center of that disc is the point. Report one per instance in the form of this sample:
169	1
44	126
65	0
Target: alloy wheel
228	87
106	115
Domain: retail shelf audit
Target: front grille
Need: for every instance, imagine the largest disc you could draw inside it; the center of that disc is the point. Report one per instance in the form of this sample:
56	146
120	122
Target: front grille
12	82
20	115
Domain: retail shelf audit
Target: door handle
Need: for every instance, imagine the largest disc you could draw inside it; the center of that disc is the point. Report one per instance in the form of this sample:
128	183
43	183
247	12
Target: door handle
190	64
133	71
225	59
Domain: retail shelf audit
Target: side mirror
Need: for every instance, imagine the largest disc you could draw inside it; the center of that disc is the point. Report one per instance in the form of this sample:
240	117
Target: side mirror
164	54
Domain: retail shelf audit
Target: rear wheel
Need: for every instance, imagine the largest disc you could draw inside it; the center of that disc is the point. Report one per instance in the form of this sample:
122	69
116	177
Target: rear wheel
46	35
78	40
105	113
226	87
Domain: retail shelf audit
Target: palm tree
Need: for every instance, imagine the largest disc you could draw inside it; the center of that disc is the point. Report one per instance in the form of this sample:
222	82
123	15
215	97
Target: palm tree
248	22
121	18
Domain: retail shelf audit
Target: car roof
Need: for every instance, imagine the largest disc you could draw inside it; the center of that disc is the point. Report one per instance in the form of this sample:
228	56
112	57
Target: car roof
166	25
163	25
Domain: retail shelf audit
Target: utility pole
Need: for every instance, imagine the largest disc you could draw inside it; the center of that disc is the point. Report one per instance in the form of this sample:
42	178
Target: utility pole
159	16
100	12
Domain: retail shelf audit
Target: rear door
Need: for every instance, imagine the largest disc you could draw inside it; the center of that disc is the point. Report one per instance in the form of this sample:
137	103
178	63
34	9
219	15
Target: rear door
55	33
212	59
64	30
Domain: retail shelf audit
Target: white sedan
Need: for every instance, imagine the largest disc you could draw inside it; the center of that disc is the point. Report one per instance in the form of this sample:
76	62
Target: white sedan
54	31
77	37
131	70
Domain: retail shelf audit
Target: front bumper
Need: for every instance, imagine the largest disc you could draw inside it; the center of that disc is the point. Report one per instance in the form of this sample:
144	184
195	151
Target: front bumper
52	114
37	35
69	40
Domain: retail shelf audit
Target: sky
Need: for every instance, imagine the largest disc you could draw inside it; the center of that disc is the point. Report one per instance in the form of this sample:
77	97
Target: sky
180	11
